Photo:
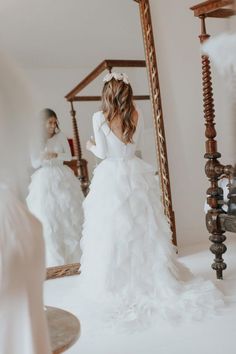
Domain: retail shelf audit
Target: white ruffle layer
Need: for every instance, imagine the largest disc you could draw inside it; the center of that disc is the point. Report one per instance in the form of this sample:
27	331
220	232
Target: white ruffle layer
55	198
128	265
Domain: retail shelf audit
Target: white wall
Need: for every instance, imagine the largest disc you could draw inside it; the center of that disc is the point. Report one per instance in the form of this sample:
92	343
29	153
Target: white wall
176	35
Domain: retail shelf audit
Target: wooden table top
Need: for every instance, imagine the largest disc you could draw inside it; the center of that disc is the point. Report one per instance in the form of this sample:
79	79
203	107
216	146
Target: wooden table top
64	329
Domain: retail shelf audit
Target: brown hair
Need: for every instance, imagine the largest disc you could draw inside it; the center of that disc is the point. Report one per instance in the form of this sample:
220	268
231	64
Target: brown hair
46	114
117	100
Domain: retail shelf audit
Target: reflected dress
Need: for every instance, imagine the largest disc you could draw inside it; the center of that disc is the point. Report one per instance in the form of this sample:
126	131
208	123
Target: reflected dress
55	198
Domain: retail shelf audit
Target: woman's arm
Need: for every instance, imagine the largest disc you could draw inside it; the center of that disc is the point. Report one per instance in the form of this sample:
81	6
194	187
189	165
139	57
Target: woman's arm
36	156
66	154
36	162
99	149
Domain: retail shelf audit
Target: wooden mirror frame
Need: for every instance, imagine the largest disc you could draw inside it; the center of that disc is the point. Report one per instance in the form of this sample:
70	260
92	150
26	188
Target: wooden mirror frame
158	120
155	95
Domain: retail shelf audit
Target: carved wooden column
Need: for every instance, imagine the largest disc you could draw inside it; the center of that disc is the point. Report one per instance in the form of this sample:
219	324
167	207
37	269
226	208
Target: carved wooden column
216	219
81	163
151	60
213	168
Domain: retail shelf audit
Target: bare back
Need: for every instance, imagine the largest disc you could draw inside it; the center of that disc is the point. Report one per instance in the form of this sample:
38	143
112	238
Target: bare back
116	125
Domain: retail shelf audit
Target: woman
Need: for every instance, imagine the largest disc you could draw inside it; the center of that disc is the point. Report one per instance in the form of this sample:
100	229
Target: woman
128	263
22	256
55	196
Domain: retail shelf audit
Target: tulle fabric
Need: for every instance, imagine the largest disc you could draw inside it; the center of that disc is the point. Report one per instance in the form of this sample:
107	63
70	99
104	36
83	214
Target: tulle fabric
129	267
55	198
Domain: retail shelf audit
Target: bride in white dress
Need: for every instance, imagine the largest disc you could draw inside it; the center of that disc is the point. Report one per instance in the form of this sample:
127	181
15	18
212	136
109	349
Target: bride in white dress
129	266
55	196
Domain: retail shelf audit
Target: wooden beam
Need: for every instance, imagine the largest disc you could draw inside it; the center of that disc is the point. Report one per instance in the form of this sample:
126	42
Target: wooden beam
125	63
98	98
206	7
106	64
221	13
89	78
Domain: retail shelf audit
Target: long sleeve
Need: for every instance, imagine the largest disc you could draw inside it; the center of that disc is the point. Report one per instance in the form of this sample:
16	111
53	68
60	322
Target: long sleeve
36	155
66	154
36	162
100	149
59	144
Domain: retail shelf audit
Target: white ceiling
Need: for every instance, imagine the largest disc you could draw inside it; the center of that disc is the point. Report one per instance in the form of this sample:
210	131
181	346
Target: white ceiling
70	33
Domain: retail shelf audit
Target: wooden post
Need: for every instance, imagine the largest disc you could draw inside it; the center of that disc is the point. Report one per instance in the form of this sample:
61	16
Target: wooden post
213	168
81	163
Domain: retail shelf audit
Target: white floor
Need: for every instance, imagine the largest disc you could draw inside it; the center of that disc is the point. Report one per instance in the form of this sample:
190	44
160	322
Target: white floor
216	335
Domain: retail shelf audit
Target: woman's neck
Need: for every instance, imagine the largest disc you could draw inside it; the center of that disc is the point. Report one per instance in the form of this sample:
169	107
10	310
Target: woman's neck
50	135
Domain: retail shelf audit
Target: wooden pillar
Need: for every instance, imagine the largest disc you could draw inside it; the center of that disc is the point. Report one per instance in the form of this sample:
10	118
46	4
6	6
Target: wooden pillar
213	168
82	164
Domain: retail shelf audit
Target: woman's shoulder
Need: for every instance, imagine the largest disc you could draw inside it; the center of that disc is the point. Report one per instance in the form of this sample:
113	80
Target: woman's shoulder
138	110
138	115
60	135
98	117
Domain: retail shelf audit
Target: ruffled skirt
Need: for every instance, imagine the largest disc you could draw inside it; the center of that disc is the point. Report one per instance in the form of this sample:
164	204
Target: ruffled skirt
55	198
129	266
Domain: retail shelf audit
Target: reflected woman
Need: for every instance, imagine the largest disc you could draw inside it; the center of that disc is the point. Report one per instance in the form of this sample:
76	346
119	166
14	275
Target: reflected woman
128	262
55	195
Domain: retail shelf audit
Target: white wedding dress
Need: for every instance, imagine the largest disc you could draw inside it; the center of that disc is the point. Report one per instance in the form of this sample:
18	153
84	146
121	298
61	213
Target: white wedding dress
129	266
55	198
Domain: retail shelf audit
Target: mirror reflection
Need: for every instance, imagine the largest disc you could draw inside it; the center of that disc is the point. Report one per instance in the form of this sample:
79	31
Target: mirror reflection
62	167
55	196
61	179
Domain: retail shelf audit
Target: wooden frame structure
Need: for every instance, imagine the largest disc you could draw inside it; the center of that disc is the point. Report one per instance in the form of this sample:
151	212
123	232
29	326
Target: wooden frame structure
72	96
107	64
158	119
214	169
155	96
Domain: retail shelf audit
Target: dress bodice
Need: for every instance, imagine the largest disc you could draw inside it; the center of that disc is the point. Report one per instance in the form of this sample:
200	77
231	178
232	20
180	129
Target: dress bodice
108	145
58	144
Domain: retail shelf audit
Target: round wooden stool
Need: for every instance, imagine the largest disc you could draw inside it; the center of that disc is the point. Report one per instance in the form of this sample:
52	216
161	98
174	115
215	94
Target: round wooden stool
64	329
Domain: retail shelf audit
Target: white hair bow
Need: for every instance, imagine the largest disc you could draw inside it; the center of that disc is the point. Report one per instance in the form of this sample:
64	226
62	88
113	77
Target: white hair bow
116	76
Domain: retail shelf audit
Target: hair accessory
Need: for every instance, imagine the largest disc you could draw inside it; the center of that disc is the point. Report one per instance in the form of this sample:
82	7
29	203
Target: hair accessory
117	76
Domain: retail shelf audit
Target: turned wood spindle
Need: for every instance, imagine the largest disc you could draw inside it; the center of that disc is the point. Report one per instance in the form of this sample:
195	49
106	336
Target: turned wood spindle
77	146
213	168
81	163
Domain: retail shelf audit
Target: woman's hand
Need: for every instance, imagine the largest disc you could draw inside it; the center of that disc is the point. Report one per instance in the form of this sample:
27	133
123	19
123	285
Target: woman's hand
50	155
90	143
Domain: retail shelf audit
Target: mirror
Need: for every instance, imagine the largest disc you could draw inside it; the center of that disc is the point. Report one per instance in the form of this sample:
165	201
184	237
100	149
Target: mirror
59	53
